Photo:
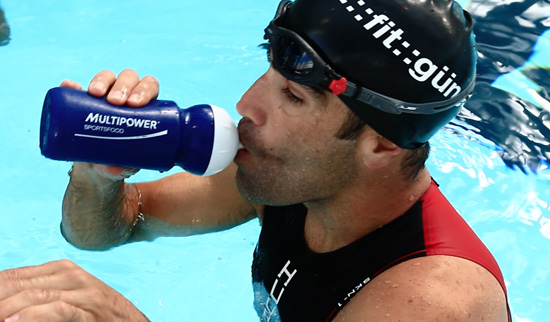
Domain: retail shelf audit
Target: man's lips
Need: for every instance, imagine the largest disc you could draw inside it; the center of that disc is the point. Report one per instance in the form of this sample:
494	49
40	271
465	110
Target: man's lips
243	136
241	152
249	144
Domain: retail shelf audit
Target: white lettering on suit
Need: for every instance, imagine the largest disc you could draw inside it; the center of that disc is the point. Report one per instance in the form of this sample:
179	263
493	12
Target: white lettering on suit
281	282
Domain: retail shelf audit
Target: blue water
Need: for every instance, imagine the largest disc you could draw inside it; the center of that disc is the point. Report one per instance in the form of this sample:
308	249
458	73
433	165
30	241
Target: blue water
205	52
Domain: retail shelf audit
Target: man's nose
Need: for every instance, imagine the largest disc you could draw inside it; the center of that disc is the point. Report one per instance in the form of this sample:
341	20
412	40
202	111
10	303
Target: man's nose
255	100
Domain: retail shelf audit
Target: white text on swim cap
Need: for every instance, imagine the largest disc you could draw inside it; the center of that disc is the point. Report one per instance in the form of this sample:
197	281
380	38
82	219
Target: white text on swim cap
422	68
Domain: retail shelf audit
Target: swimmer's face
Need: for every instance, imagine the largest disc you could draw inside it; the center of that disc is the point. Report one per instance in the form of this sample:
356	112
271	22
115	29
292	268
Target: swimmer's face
292	151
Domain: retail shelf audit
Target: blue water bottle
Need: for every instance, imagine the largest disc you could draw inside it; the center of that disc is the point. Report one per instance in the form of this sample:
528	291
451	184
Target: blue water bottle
76	126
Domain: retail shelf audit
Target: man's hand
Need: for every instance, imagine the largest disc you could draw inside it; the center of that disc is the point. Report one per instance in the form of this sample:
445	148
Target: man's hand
60	291
126	89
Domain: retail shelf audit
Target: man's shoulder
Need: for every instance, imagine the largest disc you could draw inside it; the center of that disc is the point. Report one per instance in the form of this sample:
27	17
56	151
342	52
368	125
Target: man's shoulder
432	288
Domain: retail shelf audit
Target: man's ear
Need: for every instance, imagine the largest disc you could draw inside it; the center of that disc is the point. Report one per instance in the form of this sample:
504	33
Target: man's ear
376	151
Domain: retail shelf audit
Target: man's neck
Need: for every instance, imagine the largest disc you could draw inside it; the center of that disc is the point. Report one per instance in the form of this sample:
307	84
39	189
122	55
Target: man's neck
350	215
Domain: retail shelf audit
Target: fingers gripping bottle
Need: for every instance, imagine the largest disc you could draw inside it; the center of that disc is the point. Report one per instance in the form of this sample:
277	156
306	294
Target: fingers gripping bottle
76	126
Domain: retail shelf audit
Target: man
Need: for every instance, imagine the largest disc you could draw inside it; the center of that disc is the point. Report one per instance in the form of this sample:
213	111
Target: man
335	138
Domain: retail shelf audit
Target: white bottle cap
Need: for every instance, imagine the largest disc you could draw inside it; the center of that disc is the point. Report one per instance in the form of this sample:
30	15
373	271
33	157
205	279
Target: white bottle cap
226	141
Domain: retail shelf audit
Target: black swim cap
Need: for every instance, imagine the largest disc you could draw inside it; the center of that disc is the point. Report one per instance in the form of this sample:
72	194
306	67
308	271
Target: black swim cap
409	50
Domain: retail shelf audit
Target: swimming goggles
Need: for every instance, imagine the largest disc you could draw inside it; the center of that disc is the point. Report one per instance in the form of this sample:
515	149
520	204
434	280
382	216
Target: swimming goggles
297	61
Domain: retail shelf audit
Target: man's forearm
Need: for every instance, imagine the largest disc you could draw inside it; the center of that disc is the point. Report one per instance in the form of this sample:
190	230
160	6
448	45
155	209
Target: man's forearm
98	213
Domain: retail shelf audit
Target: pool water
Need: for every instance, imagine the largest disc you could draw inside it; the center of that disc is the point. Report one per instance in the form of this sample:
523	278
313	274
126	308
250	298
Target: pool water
206	52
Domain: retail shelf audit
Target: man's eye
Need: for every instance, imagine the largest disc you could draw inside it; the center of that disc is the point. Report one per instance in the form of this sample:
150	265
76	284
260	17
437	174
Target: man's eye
293	98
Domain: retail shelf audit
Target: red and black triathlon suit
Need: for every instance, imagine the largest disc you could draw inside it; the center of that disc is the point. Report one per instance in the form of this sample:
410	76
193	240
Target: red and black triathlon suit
292	283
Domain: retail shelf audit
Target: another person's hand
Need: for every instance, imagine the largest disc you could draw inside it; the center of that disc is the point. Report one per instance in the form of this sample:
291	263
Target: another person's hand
126	89
60	291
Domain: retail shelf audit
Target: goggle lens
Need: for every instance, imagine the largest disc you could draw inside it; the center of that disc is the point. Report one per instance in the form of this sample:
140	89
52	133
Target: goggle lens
289	56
